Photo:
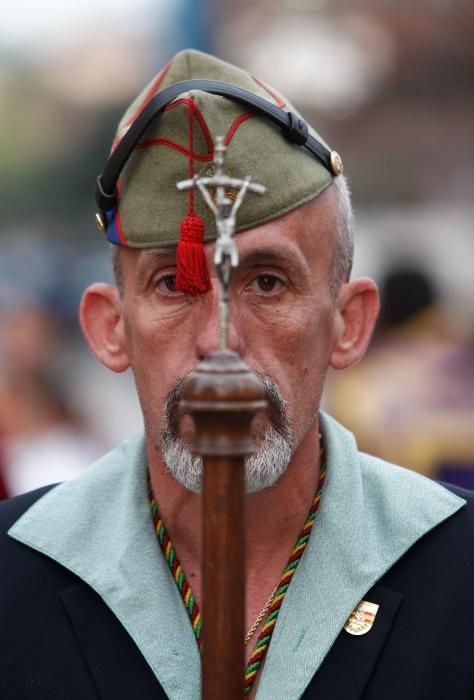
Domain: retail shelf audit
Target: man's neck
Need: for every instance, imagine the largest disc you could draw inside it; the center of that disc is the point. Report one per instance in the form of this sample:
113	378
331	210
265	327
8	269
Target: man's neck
274	518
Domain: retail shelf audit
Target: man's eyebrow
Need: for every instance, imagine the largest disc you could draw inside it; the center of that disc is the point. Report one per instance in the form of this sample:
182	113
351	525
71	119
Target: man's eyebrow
150	257
269	255
152	254
288	257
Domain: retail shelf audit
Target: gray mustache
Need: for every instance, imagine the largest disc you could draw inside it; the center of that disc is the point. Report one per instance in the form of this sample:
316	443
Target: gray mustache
277	412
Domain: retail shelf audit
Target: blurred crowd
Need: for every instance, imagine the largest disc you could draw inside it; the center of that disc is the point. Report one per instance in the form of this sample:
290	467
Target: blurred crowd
43	438
411	400
369	75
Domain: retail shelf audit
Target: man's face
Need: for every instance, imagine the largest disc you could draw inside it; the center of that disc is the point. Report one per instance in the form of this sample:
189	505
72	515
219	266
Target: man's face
282	314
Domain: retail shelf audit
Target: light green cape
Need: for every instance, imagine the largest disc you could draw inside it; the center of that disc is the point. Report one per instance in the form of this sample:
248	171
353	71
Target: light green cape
99	527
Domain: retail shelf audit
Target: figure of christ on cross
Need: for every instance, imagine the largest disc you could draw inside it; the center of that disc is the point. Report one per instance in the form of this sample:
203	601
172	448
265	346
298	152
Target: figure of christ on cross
226	256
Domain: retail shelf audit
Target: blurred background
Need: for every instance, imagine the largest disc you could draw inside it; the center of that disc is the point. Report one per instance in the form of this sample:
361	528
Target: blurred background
390	85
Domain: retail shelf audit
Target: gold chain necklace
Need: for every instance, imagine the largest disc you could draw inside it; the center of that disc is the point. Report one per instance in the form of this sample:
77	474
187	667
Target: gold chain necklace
260	617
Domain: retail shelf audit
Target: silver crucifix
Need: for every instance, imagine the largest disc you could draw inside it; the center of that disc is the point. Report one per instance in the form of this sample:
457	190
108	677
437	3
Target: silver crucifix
226	256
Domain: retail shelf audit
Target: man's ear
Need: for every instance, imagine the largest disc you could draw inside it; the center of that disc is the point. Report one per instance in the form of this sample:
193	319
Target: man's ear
102	324
358	307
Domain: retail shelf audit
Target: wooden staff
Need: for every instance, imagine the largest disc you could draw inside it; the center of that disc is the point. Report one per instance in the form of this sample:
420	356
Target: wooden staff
222	395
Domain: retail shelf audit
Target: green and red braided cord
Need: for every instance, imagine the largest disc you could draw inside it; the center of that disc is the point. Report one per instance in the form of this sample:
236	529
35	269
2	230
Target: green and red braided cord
184	588
176	570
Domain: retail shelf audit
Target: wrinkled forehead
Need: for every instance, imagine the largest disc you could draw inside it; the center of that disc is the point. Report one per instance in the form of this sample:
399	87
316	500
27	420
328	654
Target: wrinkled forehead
302	238
308	232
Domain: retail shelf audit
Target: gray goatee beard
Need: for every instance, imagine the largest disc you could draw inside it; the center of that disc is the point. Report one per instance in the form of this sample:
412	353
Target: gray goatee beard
273	445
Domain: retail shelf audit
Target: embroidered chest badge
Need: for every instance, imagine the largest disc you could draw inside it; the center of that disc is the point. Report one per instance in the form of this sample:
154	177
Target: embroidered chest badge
361	618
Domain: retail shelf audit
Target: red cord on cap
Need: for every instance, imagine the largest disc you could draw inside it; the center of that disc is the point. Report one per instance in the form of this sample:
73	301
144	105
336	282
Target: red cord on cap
192	274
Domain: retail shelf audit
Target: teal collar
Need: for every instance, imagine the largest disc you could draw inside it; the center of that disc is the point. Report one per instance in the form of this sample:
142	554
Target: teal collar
371	513
99	527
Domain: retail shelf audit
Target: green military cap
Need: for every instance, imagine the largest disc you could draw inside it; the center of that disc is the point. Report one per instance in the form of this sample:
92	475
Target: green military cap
146	209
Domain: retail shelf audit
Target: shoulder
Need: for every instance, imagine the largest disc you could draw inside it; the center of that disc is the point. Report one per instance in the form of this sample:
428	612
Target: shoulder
407	492
13	508
466	494
28	579
394	482
16	559
461	524
441	562
401	490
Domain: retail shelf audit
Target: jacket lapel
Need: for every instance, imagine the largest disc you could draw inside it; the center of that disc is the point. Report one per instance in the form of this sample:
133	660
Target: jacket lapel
347	668
116	666
371	513
99	527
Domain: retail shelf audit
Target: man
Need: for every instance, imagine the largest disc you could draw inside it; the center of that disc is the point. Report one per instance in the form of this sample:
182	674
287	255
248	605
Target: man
378	606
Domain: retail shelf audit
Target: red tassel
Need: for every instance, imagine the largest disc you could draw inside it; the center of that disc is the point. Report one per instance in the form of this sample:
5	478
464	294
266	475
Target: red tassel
192	274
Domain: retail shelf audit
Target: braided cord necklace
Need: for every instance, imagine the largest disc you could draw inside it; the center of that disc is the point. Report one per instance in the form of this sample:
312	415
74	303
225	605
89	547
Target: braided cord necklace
264	638
273	604
176	569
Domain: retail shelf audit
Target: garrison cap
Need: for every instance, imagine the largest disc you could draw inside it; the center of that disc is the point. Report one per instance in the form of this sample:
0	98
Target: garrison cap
179	141
146	209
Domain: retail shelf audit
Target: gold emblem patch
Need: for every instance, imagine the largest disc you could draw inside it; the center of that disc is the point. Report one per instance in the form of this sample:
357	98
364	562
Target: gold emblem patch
361	618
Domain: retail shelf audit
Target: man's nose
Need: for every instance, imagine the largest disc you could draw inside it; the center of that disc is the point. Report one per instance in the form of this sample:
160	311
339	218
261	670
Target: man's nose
208	333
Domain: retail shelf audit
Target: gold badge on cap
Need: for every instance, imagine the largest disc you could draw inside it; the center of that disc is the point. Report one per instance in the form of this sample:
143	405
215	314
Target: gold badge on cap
336	163
211	172
361	618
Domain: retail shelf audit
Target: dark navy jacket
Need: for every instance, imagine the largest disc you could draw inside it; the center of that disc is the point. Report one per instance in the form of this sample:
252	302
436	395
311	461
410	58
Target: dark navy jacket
59	641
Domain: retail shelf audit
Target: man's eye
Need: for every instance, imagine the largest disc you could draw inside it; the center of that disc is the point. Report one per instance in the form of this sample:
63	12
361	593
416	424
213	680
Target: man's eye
167	284
267	284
